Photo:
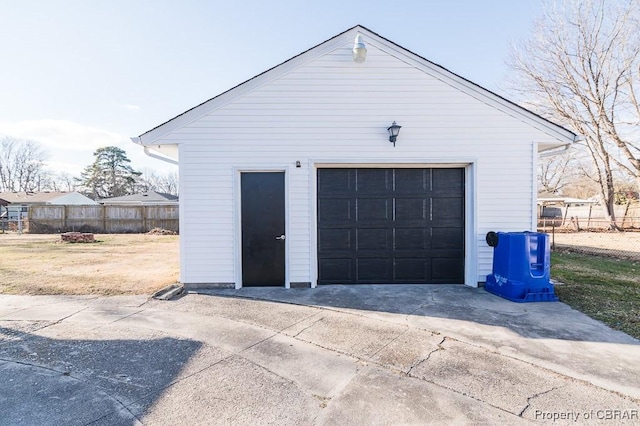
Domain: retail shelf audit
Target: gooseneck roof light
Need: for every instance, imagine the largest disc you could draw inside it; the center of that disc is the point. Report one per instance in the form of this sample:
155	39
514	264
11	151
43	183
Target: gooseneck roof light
359	50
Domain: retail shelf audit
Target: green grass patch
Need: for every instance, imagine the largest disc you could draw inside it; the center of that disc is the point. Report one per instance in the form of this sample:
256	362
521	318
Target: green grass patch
604	288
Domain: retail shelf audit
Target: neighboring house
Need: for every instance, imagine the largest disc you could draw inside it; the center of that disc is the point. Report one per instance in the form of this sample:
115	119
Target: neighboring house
546	198
4	213
290	178
144	198
19	202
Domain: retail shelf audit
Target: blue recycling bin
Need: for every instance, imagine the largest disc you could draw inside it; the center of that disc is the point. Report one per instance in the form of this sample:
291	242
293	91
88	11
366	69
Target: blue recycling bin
521	267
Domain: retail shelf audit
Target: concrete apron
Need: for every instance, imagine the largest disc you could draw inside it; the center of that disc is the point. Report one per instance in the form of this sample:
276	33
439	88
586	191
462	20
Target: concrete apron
335	354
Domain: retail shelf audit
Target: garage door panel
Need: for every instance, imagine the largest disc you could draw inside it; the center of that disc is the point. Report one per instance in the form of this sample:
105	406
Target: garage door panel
335	239
373	239
373	209
372	181
447	208
411	270
374	270
390	226
336	181
411	181
410	209
443	179
410	239
335	209
447	270
336	270
447	238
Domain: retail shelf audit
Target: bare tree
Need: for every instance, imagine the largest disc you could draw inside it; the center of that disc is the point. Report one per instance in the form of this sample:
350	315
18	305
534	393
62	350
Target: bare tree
581	68
62	182
556	172
22	165
580	187
151	180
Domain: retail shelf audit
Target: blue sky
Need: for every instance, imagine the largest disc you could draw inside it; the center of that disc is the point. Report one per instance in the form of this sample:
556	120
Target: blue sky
79	74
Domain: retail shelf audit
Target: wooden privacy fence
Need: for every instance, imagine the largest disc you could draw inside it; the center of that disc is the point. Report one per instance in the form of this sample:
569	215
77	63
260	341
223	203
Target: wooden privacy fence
102	218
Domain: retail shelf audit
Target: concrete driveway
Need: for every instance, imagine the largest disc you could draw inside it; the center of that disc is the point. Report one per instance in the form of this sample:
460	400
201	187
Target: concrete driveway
332	355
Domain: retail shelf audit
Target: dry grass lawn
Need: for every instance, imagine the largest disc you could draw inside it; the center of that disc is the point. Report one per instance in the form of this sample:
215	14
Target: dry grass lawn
623	243
115	264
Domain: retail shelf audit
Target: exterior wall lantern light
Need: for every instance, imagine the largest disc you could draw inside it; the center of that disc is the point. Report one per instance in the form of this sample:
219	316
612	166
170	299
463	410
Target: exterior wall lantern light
394	130
359	50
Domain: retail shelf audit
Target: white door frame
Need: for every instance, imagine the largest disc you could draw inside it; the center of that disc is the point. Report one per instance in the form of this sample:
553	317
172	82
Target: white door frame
237	219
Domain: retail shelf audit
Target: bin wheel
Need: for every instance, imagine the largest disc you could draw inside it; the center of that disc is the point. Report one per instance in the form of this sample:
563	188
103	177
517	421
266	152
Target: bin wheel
492	239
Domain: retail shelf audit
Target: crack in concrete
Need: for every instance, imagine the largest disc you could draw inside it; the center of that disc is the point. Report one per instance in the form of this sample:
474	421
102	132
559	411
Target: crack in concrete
28	335
406	318
122	318
124	406
306	328
12	335
536	396
257	343
457	392
64	318
420	361
144	303
163	388
298	322
42	367
389	342
79	379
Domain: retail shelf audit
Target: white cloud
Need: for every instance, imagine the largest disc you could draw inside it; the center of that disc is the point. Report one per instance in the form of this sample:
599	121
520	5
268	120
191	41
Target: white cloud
62	134
132	107
70	145
68	167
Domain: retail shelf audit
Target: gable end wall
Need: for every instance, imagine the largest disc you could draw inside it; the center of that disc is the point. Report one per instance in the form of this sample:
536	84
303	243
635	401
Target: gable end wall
334	110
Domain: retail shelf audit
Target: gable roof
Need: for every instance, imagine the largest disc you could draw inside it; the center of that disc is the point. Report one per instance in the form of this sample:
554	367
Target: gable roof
149	197
42	197
486	96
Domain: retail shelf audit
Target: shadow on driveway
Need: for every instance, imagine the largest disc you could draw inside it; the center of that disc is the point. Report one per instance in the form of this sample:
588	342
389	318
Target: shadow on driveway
541	320
82	382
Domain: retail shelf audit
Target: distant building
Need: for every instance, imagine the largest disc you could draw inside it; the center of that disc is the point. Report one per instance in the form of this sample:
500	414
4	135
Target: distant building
18	203
547	198
144	198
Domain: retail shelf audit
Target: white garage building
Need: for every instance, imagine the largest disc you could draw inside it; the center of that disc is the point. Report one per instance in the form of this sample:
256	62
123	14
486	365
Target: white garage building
290	178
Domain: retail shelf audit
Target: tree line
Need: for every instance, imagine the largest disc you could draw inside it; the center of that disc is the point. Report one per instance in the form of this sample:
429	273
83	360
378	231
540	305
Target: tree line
23	169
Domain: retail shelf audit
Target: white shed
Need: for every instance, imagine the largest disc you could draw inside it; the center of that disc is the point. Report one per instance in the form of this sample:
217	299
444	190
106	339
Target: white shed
290	178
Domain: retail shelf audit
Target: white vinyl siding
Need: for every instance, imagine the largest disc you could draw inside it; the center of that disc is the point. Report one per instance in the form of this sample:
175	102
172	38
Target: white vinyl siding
334	109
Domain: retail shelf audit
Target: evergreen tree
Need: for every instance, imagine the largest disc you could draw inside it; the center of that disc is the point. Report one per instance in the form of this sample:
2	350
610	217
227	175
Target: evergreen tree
110	175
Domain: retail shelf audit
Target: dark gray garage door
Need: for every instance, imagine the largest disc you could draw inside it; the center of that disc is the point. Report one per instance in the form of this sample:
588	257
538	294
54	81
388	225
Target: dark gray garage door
386	226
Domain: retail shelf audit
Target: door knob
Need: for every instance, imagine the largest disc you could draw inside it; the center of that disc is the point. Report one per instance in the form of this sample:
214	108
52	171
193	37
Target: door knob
281	237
